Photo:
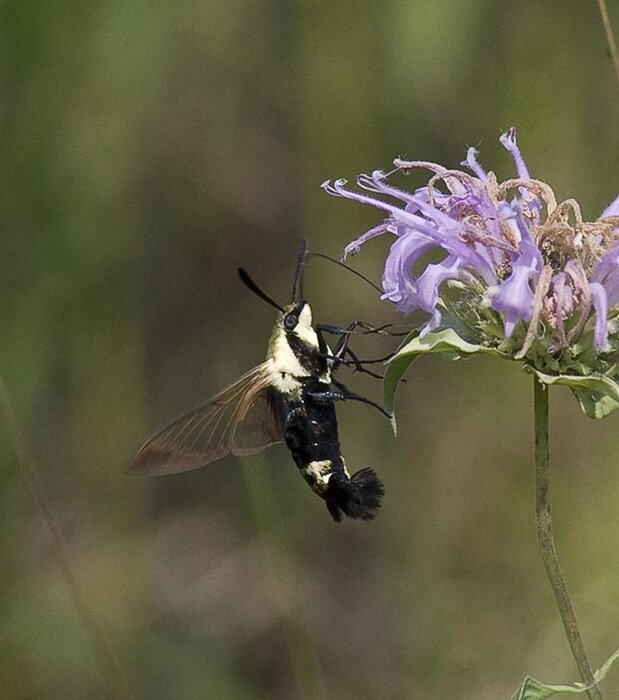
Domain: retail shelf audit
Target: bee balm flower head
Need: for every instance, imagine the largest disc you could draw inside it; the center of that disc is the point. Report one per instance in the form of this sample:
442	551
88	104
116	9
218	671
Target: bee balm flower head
523	274
517	265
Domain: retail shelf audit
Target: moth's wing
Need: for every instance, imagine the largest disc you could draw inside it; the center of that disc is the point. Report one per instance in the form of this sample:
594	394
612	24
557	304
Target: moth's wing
259	422
212	431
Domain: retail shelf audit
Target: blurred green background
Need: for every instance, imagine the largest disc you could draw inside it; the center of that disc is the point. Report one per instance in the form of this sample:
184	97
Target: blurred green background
147	150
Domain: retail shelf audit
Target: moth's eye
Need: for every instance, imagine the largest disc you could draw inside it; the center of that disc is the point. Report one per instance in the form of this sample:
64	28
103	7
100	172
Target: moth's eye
290	321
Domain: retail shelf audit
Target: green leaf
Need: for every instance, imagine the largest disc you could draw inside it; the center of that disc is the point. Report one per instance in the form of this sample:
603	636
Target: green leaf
532	689
444	341
600	674
597	394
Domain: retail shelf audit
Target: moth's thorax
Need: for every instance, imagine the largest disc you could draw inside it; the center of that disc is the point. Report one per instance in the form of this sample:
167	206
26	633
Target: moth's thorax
284	366
294	351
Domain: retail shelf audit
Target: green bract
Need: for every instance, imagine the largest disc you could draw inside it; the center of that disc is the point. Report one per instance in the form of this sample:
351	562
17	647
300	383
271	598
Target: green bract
596	392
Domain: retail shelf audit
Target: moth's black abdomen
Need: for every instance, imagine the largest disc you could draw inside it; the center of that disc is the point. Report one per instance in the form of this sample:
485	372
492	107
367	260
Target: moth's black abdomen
356	497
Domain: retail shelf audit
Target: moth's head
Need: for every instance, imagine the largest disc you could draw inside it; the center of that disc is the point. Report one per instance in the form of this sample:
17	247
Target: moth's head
297	319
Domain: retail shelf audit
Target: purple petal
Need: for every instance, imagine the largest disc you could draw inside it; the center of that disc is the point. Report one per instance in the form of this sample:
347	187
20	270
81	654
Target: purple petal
429	282
508	141
612	209
400	216
600	304
606	273
472	164
428	287
434	224
514	297
524	229
353	247
398	280
376	182
611	287
338	189
608	263
447	234
562	301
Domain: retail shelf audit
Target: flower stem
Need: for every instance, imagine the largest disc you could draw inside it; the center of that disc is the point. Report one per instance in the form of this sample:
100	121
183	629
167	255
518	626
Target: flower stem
545	537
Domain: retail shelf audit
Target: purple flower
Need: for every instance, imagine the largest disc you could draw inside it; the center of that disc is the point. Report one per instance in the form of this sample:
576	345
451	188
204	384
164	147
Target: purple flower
519	269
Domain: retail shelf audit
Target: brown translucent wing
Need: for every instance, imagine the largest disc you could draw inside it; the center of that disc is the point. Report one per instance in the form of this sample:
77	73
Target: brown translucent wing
258	419
242	419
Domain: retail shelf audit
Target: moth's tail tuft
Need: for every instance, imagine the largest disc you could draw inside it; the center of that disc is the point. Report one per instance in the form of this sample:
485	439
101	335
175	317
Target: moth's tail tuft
357	497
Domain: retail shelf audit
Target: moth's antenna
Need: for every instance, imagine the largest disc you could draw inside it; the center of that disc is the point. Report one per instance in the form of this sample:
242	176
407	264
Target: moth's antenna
347	267
297	287
253	287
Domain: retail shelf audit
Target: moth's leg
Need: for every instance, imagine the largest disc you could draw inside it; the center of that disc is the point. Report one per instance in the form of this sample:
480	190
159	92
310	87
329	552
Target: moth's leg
357	365
345	333
341	393
342	351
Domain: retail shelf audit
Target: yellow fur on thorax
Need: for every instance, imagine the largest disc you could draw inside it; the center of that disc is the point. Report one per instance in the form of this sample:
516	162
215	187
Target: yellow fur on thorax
284	368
